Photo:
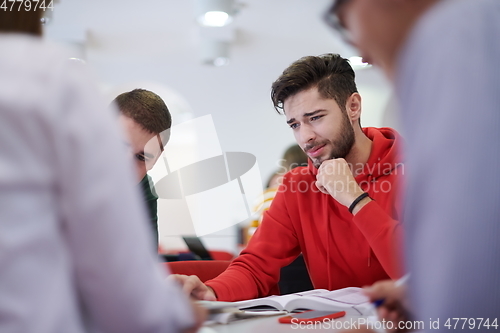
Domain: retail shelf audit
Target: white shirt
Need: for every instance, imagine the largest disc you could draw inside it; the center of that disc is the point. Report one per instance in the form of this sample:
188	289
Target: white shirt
449	85
74	249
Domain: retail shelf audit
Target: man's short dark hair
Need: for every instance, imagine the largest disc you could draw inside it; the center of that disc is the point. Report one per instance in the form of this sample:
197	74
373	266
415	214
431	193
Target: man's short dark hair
330	73
148	110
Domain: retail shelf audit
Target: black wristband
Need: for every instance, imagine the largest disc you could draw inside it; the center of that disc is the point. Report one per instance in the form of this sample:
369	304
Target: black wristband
357	200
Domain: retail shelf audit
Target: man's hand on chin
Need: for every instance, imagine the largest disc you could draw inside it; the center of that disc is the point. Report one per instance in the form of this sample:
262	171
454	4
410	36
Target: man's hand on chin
336	179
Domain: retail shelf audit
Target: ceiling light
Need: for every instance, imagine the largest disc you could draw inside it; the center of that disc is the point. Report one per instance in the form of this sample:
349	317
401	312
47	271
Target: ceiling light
214	13
215	19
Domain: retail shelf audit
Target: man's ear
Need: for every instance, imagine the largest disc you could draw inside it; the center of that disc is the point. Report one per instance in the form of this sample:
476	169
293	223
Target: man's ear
353	107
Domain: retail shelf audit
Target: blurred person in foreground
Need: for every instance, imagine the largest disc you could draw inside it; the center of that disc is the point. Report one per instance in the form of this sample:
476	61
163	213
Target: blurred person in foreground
442	57
74	250
341	211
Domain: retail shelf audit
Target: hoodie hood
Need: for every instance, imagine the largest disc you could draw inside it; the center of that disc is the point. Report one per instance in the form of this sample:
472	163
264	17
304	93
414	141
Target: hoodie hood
384	156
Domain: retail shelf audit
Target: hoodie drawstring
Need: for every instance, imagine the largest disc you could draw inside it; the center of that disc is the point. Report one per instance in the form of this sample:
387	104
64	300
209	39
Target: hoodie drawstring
328	254
370	179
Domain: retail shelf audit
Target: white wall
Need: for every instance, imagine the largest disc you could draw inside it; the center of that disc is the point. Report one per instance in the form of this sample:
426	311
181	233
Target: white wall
155	43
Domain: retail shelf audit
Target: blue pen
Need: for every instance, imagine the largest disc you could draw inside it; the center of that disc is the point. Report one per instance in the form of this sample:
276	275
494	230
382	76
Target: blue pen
378	302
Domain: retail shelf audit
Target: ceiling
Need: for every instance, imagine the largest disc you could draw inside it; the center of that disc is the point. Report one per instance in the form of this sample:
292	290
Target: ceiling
156	44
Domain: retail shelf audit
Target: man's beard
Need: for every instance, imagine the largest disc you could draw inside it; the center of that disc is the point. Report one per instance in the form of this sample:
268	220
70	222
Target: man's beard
341	145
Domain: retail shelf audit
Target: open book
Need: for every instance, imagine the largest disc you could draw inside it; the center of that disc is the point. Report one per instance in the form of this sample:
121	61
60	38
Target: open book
351	300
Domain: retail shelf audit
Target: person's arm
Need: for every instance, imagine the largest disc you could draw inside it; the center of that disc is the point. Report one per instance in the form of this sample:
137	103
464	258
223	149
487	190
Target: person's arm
255	273
193	287
383	233
120	284
385	236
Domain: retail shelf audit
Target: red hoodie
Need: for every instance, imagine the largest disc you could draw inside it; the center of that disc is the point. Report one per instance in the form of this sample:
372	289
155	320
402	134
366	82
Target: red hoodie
340	250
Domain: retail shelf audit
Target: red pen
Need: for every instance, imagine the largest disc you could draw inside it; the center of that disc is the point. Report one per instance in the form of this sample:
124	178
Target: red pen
311	316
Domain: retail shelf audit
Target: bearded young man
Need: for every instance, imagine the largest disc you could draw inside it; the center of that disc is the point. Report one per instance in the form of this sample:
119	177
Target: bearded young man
341	211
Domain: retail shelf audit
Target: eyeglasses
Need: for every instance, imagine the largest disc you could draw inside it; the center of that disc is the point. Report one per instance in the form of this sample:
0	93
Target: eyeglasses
332	19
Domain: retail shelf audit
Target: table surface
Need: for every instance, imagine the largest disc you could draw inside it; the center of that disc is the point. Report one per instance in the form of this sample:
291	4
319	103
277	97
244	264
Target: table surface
271	324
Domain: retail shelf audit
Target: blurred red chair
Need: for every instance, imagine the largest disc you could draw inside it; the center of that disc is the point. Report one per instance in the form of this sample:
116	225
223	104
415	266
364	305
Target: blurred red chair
216	255
221	255
204	269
